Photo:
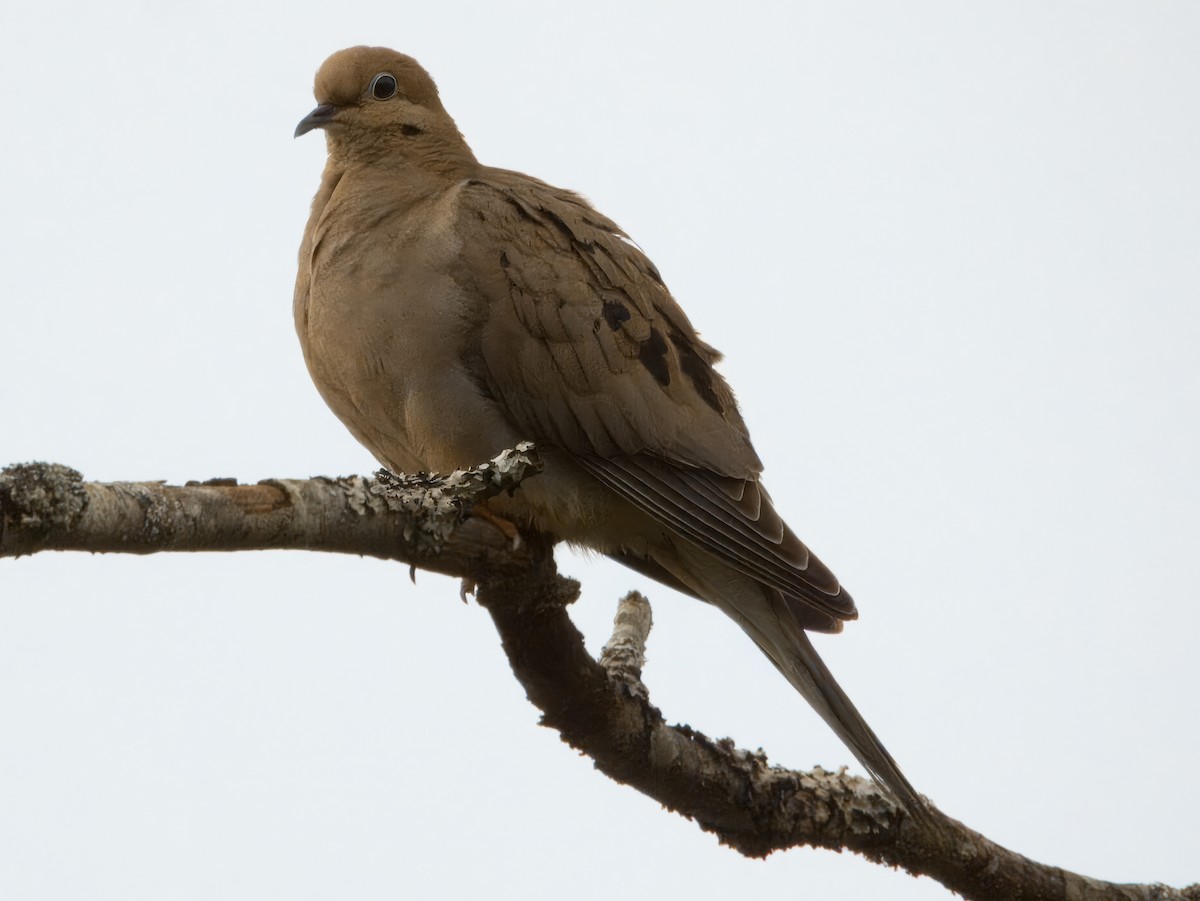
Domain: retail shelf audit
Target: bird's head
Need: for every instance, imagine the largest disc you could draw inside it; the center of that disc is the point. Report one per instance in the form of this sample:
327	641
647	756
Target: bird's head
373	102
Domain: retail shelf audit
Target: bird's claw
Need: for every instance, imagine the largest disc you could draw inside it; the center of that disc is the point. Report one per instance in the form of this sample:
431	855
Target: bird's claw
506	527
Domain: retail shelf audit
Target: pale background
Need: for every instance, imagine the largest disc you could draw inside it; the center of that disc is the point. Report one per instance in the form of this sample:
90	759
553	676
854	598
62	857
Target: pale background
951	252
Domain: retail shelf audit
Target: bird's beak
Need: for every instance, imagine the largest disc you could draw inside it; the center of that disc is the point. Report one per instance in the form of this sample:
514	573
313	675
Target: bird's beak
318	118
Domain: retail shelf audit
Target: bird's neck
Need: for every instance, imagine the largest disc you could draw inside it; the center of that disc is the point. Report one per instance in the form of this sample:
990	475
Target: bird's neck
437	154
396	182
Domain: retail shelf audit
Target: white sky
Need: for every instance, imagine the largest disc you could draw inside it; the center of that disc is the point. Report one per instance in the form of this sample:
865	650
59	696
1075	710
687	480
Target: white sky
951	253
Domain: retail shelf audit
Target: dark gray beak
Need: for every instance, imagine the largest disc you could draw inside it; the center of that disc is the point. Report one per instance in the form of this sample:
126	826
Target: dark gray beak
318	118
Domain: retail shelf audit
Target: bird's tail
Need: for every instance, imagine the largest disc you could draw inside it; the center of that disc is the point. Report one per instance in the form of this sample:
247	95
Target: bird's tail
789	648
766	615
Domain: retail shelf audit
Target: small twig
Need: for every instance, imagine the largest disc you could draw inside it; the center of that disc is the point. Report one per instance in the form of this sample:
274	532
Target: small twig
625	653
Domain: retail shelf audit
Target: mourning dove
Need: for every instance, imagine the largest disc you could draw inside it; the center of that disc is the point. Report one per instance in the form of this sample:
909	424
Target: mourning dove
448	310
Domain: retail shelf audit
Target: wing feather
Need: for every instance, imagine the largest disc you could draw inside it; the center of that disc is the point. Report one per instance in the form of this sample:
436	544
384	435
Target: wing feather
634	397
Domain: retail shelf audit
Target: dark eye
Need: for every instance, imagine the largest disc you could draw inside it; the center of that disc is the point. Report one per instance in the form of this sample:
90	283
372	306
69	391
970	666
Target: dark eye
383	86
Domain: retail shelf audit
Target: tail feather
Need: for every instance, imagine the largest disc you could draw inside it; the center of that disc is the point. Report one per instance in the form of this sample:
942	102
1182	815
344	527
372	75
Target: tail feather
768	617
789	648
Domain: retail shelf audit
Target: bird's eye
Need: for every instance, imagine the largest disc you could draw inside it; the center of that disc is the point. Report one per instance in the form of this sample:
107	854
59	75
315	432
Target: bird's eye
383	86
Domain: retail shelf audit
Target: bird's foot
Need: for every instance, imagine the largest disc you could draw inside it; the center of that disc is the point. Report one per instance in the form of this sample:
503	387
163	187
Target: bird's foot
506	528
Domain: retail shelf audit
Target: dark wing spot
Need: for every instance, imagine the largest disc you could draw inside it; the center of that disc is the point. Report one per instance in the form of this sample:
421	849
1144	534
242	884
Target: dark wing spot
504	264
696	368
653	355
411	130
615	313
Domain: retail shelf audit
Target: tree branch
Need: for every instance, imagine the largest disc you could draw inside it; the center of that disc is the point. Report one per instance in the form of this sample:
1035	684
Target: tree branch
602	708
48	507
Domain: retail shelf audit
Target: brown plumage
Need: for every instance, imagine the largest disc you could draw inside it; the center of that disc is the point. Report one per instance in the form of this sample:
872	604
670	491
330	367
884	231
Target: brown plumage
448	310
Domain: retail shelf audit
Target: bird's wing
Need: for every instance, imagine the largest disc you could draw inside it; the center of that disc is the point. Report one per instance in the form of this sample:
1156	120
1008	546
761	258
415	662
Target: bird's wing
587	350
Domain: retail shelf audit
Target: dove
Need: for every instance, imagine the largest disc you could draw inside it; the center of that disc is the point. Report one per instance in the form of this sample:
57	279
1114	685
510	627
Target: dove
448	310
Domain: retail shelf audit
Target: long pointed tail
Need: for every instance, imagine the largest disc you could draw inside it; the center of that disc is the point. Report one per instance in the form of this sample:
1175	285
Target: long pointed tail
768	617
788	647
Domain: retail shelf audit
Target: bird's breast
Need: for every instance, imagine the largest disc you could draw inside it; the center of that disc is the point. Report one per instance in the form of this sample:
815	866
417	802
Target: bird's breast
384	332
